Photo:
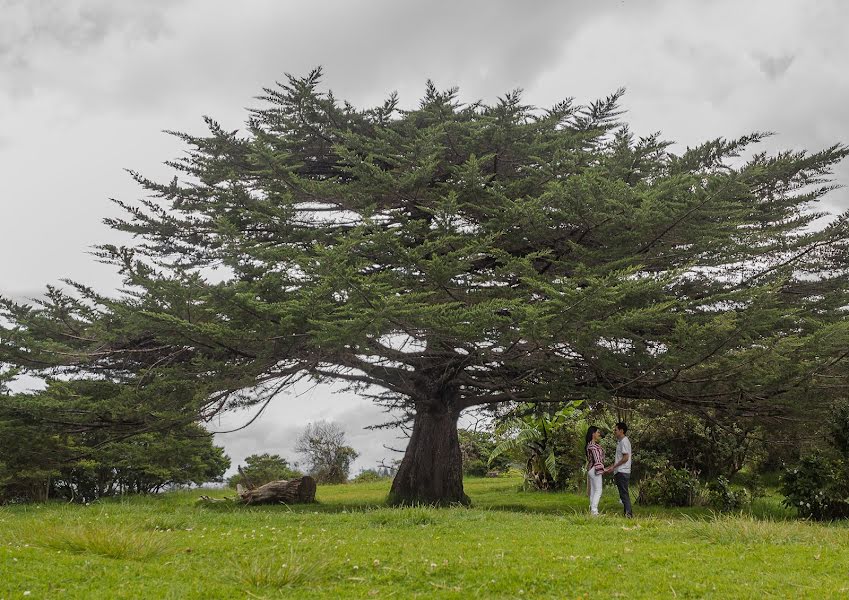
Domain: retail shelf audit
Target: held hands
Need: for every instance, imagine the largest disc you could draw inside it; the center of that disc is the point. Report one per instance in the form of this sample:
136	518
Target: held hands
607	471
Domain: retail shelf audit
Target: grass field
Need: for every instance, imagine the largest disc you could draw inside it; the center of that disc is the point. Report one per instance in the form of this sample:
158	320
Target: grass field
510	544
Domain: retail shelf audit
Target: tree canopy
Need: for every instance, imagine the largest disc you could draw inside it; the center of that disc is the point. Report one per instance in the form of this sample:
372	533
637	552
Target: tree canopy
328	456
259	469
458	255
46	454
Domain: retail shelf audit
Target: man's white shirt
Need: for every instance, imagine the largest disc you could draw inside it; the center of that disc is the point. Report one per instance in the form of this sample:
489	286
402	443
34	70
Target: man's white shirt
623	446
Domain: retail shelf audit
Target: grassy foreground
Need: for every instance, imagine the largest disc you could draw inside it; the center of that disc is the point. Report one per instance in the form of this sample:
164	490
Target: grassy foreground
510	544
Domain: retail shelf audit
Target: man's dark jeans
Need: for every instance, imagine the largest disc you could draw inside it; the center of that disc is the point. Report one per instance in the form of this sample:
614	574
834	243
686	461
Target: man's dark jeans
621	480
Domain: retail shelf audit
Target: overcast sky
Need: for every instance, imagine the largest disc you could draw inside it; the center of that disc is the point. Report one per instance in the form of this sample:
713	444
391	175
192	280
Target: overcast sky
87	86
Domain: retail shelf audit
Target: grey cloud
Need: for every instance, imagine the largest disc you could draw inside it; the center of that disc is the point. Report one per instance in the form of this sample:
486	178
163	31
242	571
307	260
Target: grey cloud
278	428
76	24
39	39
210	53
775	66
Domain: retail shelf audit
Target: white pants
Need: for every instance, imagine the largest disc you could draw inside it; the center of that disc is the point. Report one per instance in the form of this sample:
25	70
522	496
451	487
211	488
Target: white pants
595	490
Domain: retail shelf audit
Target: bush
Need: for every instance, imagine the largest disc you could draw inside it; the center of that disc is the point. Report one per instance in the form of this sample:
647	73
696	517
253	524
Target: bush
369	476
710	447
818	488
570	463
549	445
723	497
669	487
259	469
475	449
476	468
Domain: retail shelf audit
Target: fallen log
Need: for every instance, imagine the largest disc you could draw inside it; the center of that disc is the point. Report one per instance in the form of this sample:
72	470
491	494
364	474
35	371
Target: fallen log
293	491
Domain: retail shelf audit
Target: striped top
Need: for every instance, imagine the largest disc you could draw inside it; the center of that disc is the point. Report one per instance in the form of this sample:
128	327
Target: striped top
595	457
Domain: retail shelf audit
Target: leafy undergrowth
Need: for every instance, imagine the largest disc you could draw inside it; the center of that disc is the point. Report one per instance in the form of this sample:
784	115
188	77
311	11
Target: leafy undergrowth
509	544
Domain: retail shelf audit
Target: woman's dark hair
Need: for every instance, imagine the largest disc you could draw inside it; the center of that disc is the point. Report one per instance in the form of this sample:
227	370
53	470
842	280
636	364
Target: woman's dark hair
592	429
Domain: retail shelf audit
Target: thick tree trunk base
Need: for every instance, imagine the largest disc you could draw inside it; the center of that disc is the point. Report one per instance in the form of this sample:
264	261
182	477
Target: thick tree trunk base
432	469
295	491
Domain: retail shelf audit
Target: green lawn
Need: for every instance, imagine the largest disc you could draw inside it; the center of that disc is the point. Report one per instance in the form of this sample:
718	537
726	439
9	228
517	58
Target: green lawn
510	544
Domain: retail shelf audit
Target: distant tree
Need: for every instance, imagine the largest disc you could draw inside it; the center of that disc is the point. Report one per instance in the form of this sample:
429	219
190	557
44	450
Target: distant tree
476	446
371	475
259	469
457	255
44	455
323	446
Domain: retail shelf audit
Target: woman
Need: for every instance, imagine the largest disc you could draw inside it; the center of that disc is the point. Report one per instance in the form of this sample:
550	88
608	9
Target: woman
595	467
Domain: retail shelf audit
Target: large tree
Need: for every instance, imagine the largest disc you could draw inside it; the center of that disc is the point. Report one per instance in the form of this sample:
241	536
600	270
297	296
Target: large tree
458	255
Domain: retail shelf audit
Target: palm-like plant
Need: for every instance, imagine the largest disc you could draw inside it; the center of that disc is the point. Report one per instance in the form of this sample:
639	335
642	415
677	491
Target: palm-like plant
530	434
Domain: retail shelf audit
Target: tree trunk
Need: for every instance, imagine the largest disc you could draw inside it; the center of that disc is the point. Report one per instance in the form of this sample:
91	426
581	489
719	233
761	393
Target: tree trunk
295	491
432	469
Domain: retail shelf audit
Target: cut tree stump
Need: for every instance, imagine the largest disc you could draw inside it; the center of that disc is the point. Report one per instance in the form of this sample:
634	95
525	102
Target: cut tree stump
294	491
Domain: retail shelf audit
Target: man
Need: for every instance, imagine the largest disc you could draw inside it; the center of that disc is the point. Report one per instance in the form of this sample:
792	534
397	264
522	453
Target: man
621	467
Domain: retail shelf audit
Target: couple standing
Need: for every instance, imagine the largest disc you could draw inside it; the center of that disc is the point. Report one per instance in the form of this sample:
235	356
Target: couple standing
621	467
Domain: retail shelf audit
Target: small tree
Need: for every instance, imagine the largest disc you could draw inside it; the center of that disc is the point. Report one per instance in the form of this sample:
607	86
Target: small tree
531	435
323	446
259	469
818	487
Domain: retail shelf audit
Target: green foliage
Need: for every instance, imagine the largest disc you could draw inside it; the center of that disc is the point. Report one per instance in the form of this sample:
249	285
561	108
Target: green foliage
323	446
476	446
669	487
710	446
458	255
721	496
259	469
42	459
534	437
370	476
818	487
838	428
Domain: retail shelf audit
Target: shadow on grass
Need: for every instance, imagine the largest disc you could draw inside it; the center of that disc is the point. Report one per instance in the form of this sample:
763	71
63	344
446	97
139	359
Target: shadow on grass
496	494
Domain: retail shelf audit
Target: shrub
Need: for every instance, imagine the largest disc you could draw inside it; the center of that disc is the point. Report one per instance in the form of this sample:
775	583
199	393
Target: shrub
476	468
549	445
669	487
475	448
818	488
711	447
723	497
259	469
369	476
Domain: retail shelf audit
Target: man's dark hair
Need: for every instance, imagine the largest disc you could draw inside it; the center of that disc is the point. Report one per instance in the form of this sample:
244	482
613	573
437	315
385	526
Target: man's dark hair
622	426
